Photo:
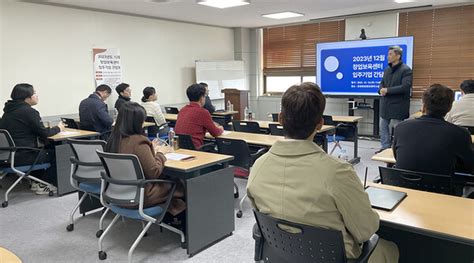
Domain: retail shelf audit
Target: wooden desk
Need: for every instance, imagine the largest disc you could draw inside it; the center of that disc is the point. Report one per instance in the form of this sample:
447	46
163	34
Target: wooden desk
209	187
346	119
441	224
415	115
62	152
170	117
7	256
224	113
266	125
385	156
250	138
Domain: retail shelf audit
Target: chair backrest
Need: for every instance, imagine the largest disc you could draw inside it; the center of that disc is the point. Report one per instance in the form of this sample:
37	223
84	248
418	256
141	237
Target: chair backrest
246	126
86	151
6	141
152	130
276	129
237	148
309	244
70	123
221	120
328	120
185	141
470	129
429	182
121	168
275	116
171	110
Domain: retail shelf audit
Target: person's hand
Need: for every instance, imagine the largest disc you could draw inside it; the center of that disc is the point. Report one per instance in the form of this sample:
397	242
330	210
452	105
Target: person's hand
164	149
383	91
61	126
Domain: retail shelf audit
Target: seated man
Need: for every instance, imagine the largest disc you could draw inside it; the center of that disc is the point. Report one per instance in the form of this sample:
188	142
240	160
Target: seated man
194	120
24	125
297	181
208	105
93	112
462	112
429	143
125	93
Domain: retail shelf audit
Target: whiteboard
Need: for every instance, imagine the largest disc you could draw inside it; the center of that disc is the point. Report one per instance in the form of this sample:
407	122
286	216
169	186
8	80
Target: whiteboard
221	75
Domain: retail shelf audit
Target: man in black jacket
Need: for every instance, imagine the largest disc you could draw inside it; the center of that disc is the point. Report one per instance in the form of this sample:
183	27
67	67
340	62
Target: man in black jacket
430	144
25	126
125	93
395	89
208	104
93	112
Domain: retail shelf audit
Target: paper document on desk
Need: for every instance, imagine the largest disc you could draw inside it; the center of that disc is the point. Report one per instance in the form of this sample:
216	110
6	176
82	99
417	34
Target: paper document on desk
178	156
66	133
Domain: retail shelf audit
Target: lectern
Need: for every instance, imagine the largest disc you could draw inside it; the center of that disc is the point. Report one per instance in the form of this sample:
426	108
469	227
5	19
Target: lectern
240	100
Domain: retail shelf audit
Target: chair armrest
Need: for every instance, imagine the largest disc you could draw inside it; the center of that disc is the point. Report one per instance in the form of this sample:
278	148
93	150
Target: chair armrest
138	183
367	249
257	236
90	164
255	156
168	198
207	147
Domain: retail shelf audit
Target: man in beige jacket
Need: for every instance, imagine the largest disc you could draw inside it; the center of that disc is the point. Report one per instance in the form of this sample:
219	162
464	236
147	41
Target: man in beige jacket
298	182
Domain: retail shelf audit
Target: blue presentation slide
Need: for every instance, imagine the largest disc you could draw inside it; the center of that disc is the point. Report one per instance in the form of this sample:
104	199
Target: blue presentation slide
355	68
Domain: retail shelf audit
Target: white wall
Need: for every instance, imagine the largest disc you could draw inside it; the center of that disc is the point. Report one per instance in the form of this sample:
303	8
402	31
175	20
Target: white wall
50	47
376	26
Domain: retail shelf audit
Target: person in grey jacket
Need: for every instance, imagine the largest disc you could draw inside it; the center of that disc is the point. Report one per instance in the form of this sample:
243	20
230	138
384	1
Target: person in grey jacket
395	89
93	112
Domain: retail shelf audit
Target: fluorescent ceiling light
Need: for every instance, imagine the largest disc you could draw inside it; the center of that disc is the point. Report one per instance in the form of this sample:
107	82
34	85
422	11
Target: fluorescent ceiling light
404	1
223	3
283	15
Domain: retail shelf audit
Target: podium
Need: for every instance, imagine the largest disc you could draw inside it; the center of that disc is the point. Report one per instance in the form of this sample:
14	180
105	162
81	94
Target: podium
240	100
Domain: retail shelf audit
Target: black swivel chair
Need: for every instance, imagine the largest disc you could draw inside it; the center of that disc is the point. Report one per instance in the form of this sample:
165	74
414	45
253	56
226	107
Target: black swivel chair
311	244
185	141
243	160
436	183
342	132
156	129
246	126
171	110
70	123
276	129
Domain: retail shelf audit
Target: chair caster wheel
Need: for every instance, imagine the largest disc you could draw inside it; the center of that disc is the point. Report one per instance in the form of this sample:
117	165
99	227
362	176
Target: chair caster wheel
99	233
236	195
51	193
70	227
5	204
239	214
102	255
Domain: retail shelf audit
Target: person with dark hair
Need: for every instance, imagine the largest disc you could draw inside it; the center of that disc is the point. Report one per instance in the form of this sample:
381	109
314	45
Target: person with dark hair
395	89
152	107
208	104
462	112
125	93
316	188
24	124
128	137
430	144
194	120
93	113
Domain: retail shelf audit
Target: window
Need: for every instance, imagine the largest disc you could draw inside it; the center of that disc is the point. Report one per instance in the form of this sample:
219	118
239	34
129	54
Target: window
289	52
443	46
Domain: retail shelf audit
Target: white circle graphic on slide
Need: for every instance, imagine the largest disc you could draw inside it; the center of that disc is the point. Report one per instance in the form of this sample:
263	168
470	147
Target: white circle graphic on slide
331	63
339	75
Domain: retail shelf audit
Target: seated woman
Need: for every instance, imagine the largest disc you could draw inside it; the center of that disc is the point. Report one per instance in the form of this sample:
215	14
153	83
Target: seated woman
24	124
298	182
128	137
153	109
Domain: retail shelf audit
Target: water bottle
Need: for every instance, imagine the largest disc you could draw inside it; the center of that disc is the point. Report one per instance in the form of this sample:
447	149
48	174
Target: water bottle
228	105
246	113
171	135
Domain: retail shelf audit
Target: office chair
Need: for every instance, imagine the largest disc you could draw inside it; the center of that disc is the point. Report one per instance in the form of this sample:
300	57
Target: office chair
243	160
70	123
221	120
275	116
311	244
185	141
7	163
171	110
123	184
436	183
85	174
246	126
341	133
152	131
276	129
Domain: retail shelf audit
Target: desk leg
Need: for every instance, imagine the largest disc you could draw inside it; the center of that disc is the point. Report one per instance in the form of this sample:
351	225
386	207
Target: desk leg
210	209
356	158
63	168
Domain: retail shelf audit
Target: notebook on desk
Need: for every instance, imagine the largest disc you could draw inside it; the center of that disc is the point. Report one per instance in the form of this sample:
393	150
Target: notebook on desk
384	199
